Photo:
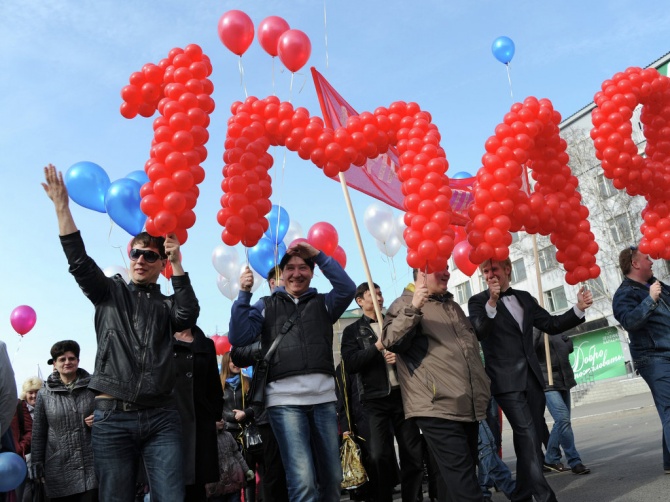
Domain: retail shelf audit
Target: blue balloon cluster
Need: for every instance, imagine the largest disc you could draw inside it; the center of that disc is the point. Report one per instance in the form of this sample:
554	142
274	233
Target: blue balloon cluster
89	186
269	251
503	49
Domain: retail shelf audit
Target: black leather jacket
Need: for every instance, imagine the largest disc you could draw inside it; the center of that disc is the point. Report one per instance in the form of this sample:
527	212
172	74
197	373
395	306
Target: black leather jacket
134	325
362	359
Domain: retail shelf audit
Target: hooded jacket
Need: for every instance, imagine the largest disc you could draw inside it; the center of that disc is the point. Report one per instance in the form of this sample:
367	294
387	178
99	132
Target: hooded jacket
439	365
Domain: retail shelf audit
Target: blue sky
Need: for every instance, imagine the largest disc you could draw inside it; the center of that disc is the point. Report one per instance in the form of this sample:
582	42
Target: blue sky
63	64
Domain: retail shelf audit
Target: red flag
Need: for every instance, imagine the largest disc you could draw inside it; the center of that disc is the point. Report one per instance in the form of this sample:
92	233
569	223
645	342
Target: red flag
378	178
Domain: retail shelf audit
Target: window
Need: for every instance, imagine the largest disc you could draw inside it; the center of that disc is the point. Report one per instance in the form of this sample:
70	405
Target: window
547	257
515	237
596	287
620	228
605	187
555	300
482	282
463	292
518	271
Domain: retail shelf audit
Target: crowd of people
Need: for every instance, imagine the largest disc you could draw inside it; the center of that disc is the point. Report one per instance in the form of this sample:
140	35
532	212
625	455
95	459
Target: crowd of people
160	418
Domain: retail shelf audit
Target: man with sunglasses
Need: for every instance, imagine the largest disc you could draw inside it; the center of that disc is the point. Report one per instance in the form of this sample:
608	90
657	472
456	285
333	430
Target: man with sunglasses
642	306
135	412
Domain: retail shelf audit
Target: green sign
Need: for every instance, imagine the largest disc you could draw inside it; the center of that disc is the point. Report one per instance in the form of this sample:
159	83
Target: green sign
598	352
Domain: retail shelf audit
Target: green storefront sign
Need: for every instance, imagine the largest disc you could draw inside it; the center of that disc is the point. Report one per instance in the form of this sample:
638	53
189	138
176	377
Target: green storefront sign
599	353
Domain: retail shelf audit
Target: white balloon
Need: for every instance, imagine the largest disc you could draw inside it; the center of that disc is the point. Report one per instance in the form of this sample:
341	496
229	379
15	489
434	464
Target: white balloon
226	261
378	220
399	227
112	270
229	289
391	247
294	232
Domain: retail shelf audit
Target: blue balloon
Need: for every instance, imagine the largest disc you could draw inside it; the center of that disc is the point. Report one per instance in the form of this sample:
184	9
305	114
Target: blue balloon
279	222
262	255
503	49
123	205
87	185
461	175
139	176
12	471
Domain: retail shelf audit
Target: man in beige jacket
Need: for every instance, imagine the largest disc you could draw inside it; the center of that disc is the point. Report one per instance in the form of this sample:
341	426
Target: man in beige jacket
442	379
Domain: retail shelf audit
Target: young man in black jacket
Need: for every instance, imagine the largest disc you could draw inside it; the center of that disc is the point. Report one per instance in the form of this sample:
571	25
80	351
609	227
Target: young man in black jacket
135	411
364	357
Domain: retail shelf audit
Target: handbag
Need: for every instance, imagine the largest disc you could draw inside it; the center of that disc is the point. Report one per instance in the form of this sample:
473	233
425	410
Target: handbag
251	437
353	472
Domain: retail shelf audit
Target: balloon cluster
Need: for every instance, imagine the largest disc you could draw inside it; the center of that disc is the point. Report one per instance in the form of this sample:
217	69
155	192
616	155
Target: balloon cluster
89	186
23	319
385	228
529	136
236	31
226	262
647	175
179	89
270	249
257	124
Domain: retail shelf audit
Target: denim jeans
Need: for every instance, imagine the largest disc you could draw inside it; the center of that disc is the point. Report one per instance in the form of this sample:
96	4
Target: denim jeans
492	470
121	438
656	372
309	446
558	404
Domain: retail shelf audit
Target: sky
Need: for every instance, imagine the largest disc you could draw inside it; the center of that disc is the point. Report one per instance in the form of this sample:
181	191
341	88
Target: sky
63	64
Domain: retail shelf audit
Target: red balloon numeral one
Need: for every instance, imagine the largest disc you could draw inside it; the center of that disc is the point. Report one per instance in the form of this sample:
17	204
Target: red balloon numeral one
612	137
529	136
257	124
179	89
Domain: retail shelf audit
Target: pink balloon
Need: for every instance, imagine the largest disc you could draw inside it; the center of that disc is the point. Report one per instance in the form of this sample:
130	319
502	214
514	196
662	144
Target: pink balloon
23	318
236	31
294	49
269	31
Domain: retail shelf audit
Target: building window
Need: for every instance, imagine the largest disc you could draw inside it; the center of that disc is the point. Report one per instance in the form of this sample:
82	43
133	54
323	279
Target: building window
547	257
620	228
482	282
515	237
463	292
518	271
555	299
596	287
605	187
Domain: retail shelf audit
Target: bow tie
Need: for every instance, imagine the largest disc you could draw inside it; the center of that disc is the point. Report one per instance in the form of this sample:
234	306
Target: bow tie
507	292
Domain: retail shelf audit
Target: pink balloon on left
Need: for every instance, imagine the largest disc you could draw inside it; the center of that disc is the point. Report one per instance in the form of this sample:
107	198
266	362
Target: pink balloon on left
23	318
236	31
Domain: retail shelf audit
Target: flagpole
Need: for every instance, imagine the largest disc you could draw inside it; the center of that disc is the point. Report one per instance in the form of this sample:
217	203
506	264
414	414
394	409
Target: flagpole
547	352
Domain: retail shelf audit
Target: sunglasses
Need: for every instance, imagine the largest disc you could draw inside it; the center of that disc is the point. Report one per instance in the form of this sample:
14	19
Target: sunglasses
149	256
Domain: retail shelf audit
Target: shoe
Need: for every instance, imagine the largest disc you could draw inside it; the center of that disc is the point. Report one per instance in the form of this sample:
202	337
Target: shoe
667	470
580	469
554	467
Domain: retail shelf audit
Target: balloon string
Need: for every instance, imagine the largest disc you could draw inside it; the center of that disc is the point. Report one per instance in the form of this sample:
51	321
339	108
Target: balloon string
290	90
244	85
325	30
509	79
394	274
17	350
274	90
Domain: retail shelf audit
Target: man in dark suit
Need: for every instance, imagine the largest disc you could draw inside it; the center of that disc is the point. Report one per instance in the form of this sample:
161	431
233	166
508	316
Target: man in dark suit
503	320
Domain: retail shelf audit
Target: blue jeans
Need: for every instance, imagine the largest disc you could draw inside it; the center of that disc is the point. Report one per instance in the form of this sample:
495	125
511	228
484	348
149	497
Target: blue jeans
492	470
656	372
309	445
121	438
558	404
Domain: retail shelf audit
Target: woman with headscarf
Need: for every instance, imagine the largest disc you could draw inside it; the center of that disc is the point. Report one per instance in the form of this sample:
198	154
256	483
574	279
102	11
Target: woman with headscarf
62	455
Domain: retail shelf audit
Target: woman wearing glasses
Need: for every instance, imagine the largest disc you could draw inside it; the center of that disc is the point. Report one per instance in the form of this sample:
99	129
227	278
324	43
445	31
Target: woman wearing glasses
62	455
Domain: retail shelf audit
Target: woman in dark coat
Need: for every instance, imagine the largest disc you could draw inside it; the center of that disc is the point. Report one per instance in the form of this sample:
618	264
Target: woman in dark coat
200	401
62	455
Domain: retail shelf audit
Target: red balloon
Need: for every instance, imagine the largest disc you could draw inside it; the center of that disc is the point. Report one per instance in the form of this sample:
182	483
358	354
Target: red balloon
269	31
340	256
236	31
222	345
167	271
294	49
462	260
323	236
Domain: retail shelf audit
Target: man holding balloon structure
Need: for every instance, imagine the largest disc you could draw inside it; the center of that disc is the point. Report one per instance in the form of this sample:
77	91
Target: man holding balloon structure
134	376
300	391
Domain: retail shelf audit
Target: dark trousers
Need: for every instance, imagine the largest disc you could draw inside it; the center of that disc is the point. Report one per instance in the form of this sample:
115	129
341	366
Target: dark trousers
525	414
273	478
386	418
454	446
